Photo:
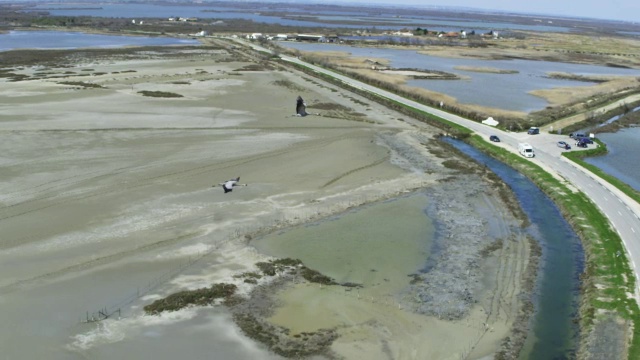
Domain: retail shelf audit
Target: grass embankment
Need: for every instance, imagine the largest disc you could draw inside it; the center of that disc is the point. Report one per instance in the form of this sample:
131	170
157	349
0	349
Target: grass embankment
608	279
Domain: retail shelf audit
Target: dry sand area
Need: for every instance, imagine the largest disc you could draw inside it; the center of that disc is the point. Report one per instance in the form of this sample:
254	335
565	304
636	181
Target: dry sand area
108	193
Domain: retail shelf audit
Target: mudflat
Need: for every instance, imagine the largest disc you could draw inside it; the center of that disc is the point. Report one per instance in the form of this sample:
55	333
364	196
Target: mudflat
110	166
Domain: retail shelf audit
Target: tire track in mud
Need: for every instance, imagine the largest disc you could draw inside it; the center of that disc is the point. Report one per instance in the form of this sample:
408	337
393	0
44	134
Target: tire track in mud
350	172
94	262
512	263
175	175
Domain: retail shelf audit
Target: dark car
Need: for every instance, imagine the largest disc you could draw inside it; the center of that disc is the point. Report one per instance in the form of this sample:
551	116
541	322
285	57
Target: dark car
494	138
533	131
577	136
583	141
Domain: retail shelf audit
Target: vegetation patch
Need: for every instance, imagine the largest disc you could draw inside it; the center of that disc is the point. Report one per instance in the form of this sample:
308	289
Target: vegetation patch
82	84
294	267
263	66
489	70
279	340
7	74
458	165
289	85
199	297
161	94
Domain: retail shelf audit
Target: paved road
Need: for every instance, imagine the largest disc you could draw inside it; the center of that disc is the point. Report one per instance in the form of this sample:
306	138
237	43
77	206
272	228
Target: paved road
622	211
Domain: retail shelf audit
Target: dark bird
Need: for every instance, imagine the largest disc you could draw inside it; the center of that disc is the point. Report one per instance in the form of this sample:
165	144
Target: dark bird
301	107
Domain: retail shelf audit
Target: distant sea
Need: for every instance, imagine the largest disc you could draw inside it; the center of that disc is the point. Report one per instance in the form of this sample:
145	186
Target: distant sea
296	16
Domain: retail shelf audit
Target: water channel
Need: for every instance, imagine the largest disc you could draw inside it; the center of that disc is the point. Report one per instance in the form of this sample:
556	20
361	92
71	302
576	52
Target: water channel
552	334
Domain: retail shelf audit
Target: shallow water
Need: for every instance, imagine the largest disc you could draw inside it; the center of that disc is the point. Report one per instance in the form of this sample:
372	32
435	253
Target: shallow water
377	245
73	40
621	161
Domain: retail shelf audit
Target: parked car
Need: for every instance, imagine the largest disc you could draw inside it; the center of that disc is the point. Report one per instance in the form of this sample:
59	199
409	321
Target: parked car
582	142
577	136
494	138
564	145
533	131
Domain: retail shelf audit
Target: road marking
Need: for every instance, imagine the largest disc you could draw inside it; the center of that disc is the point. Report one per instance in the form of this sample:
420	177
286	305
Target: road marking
605	198
620	201
633	230
620	213
590	185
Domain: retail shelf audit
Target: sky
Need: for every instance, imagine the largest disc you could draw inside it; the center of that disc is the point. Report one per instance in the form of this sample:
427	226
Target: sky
625	10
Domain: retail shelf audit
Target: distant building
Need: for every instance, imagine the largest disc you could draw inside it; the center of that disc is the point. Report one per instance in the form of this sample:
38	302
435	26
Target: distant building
318	38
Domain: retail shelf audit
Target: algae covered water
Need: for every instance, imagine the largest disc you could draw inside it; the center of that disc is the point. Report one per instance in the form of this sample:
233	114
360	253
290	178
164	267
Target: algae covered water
552	333
376	245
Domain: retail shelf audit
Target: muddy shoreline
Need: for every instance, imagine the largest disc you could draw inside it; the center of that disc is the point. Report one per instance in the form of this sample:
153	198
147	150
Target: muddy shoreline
448	287
134	192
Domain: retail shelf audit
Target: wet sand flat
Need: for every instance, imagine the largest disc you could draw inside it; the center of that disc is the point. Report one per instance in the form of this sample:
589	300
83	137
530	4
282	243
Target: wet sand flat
109	197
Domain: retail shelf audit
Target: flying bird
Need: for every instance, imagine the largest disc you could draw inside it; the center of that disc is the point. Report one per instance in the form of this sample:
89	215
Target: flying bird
301	107
227	186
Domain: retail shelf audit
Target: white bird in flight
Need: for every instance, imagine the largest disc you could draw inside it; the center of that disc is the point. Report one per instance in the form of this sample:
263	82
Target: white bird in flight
227	186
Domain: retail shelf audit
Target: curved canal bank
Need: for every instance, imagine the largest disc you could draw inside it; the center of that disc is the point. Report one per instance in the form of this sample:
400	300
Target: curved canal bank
553	332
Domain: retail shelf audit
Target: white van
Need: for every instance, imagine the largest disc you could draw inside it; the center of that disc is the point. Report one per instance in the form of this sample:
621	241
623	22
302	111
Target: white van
525	150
